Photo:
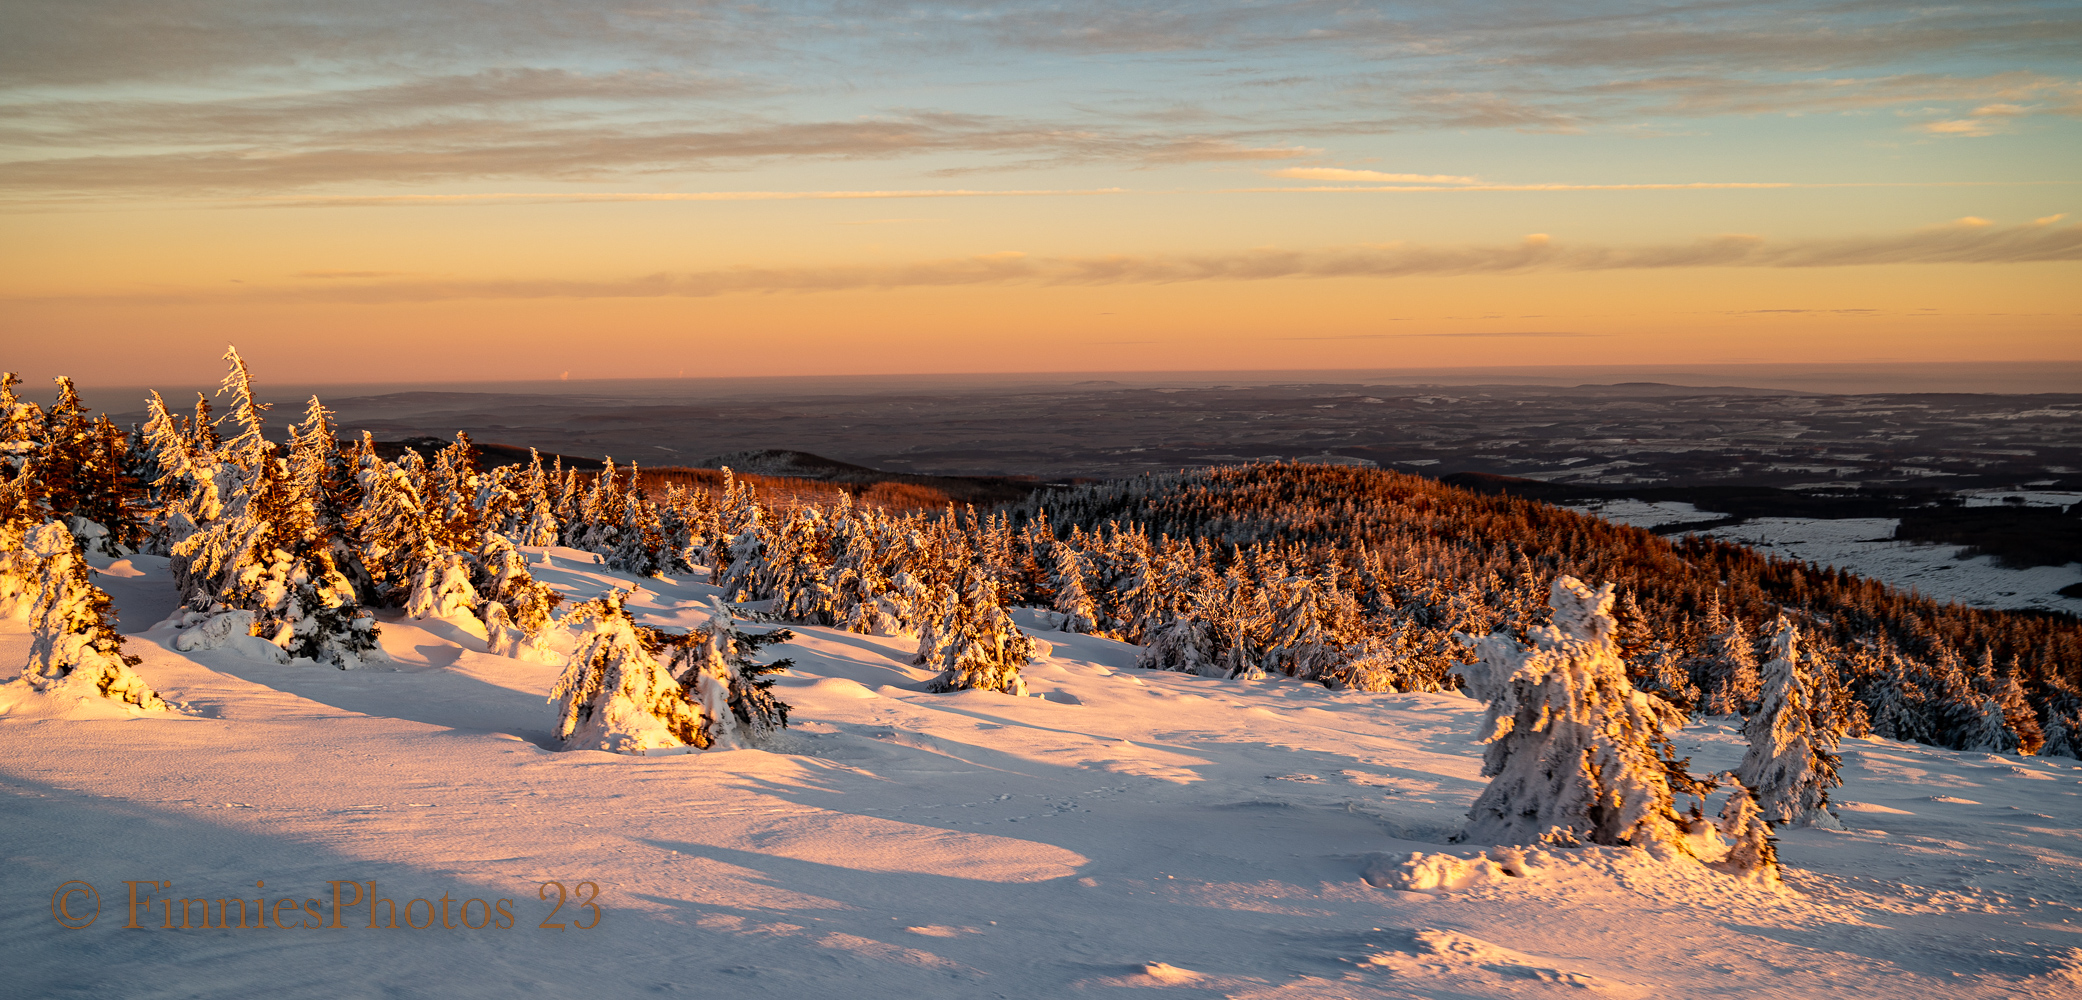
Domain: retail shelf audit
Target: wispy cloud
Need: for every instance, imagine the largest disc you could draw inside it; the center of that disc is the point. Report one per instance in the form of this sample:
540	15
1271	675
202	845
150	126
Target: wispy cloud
584	197
1673	186
1948	244
1341	174
314	153
1473	333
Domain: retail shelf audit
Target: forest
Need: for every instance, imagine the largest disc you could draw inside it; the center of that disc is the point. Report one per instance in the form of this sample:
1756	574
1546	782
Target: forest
1346	577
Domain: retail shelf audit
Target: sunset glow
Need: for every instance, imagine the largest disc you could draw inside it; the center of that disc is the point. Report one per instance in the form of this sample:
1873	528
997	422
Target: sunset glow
449	192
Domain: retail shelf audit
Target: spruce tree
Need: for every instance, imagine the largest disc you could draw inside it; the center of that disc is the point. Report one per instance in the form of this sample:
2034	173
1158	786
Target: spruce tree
1752	850
1732	686
1066	580
1791	761
76	649
1575	753
715	665
974	644
614	694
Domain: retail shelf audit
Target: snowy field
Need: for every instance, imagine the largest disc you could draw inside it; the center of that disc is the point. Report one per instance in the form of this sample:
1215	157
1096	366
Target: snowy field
1865	546
1121	833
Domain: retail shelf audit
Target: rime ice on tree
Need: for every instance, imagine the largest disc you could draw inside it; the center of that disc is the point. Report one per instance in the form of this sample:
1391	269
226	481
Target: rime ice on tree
615	695
1790	764
1752	852
715	666
974	644
1577	754
77	650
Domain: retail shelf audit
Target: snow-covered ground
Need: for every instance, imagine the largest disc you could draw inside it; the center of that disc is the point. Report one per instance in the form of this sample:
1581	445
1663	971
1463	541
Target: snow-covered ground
1865	545
1122	833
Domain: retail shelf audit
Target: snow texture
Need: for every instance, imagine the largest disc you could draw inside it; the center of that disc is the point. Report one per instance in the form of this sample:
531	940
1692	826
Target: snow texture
1128	832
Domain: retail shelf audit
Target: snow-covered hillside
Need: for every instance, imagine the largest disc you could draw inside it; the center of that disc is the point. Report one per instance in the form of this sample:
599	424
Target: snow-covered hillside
1119	830
1866	546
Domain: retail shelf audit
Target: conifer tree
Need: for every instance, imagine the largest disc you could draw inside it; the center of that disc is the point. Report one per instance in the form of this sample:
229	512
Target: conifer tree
2018	716
715	665
21	426
517	607
21	570
442	589
76	649
1791	762
2060	737
1732	684
614	694
1752	851
1066	580
974	644
83	466
1575	753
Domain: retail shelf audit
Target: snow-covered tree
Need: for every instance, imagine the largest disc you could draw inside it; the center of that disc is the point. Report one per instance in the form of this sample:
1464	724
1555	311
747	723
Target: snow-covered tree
1989	731
21	571
615	695
442	589
83	468
520	603
1752	851
245	531
76	649
1187	645
864	598
2061	738
715	665
1066	580
1791	762
537	505
1730	670
1576	754
974	643
21	426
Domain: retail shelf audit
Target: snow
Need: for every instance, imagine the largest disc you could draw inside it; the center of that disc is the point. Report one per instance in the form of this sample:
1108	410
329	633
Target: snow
1865	546
1120	830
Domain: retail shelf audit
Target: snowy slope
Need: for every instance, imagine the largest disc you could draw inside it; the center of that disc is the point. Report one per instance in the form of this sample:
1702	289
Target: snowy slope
1865	546
1121	833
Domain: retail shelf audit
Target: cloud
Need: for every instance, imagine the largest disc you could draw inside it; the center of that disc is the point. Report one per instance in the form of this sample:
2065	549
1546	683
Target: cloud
1512	333
1339	174
1949	244
1966	128
537	123
1671	186
585	197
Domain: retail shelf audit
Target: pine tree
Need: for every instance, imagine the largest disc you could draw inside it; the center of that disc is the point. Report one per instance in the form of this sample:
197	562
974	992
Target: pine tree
21	426
21	570
1989	732
614	694
76	649
1066	580
83	466
539	505
1577	755
974	644
1732	685
715	665
442	588
1752	851
2018	715
1791	761
2060	737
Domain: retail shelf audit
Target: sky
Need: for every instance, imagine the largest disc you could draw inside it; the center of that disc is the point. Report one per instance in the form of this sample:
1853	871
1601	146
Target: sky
439	191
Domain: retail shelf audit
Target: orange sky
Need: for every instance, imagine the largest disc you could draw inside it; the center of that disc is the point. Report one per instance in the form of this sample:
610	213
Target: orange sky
582	200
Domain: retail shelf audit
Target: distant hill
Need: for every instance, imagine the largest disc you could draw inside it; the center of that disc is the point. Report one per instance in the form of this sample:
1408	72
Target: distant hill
778	473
